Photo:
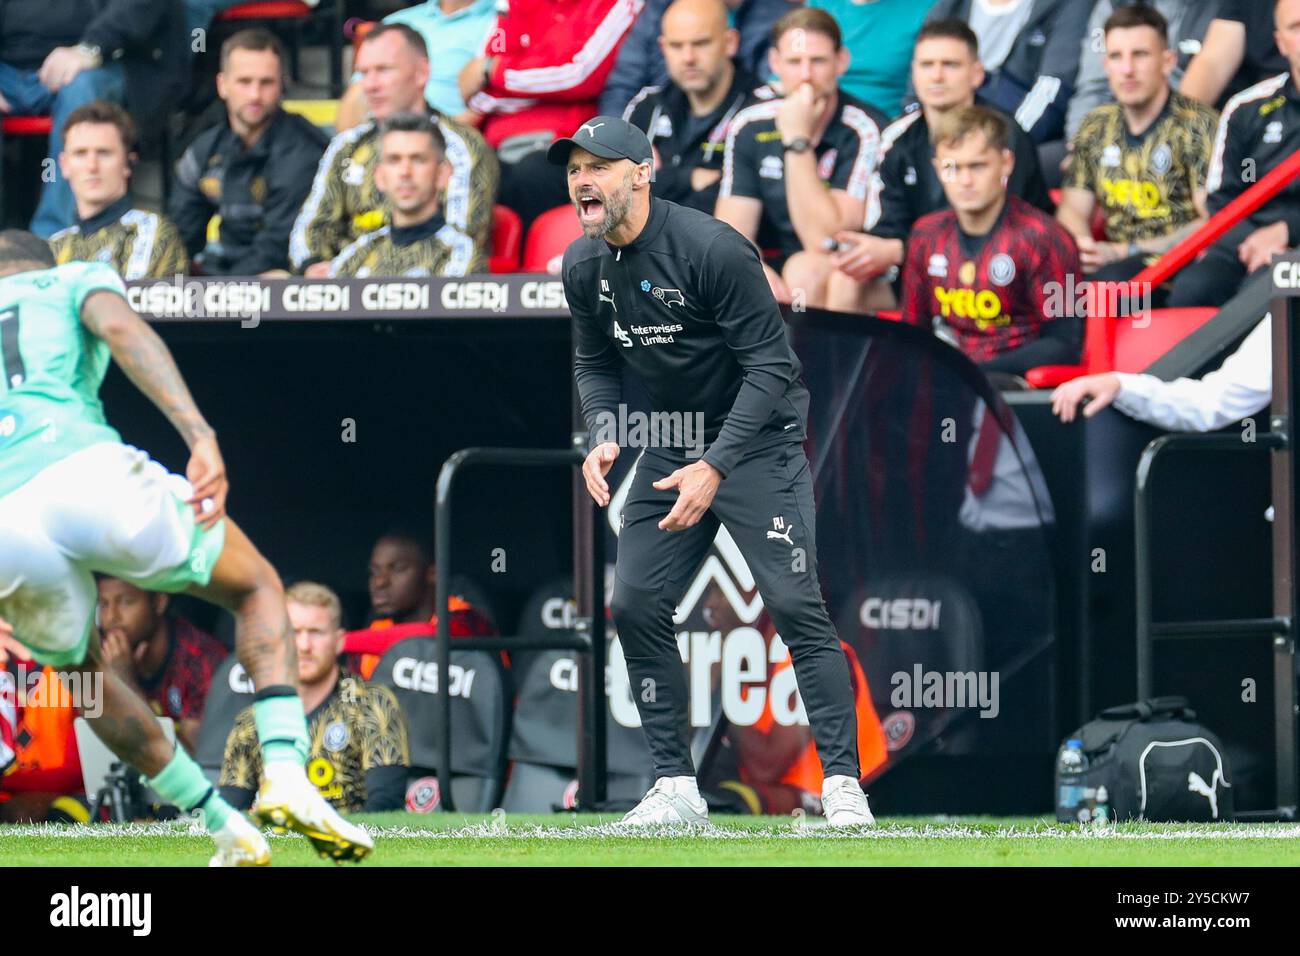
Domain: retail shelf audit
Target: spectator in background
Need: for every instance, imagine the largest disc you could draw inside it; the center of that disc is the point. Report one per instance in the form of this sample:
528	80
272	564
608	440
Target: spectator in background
1189	21
455	30
168	659
344	202
1239	51
1143	158
946	72
880	35
199	13
252	172
404	598
1241	387
641	60
360	754
96	162
686	121
1259	129
412	173
57	56
796	171
990	273
1030	51
537	77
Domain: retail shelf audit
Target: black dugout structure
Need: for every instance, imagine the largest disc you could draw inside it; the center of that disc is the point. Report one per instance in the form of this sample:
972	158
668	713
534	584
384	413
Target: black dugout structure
955	525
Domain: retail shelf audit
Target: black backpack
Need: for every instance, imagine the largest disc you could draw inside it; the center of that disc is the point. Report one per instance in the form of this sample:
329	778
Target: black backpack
1155	763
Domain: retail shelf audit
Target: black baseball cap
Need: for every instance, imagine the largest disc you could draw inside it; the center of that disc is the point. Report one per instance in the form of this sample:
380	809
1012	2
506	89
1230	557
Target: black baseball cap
605	136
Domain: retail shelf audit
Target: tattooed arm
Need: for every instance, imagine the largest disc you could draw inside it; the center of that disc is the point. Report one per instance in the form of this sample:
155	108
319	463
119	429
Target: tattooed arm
148	363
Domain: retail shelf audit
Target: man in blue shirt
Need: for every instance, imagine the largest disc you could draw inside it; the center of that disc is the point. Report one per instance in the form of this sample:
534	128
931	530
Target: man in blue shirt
453	30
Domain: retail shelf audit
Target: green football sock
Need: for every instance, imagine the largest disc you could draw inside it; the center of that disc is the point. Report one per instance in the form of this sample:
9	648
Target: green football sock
281	726
182	783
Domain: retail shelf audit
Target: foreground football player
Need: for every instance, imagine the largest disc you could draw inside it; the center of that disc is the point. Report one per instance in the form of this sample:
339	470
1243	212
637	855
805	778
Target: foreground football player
74	500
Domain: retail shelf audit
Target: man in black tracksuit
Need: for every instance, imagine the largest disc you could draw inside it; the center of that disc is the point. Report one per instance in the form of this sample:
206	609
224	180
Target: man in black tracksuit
680	298
1260	128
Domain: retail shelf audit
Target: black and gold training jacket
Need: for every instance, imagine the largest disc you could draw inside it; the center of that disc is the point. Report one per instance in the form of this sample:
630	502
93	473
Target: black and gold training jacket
359	756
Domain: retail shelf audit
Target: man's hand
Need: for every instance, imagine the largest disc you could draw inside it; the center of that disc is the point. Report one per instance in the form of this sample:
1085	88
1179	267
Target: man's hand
62	66
1098	390
1262	244
696	485
780	291
599	461
317	270
865	260
118	654
659	162
1093	254
702	178
9	644
4	105
207	475
473	78
798	113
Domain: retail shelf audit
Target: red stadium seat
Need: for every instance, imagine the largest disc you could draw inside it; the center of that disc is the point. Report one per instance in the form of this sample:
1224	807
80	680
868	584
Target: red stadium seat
28	125
269	10
507	237
549	236
1136	346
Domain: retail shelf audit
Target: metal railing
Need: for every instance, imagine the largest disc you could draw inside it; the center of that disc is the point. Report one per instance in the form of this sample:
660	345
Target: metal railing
587	637
1278	628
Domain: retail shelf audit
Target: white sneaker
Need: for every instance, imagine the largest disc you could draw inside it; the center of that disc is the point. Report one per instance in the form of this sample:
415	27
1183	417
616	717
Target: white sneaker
844	804
239	843
288	801
672	801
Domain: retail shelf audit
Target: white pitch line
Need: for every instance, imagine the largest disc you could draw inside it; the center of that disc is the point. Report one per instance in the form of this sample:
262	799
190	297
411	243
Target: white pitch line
807	831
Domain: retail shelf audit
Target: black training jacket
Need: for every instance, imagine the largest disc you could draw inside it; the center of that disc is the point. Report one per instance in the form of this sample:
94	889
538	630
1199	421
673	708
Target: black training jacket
1259	129
686	142
906	186
686	307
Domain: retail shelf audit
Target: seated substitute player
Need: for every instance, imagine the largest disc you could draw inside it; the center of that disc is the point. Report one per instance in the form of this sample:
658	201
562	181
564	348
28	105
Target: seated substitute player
679	298
162	656
412	173
797	170
403	586
990	274
253	170
946	72
75	501
96	162
1259	129
687	118
344	202
360	756
1240	387
1143	158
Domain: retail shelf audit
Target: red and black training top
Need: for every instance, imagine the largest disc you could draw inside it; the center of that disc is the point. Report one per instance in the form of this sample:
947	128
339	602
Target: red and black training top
1012	298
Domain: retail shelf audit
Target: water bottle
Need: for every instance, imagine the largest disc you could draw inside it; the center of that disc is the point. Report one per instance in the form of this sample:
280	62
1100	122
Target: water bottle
1070	765
1101	816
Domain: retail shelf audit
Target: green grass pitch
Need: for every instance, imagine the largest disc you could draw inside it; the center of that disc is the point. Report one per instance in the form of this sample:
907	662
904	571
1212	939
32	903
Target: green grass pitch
590	840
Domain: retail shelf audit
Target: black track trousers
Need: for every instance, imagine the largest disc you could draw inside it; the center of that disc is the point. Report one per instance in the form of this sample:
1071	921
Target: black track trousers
765	500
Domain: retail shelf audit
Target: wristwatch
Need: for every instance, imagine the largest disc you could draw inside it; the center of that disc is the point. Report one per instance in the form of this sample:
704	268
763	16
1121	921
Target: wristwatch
93	53
1134	249
800	144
